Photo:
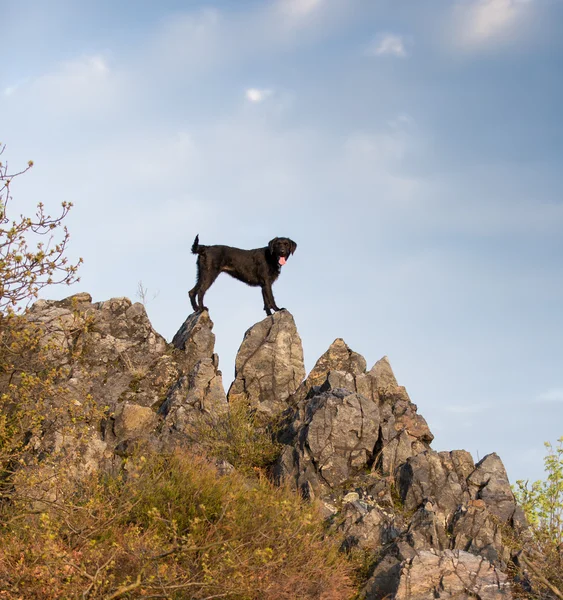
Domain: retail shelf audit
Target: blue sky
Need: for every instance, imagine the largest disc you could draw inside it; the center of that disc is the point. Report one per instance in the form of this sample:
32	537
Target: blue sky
412	150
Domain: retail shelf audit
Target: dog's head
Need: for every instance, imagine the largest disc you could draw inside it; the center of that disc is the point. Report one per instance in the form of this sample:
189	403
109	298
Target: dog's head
281	249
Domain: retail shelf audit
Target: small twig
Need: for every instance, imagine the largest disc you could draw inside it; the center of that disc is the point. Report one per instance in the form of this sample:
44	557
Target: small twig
125	590
540	577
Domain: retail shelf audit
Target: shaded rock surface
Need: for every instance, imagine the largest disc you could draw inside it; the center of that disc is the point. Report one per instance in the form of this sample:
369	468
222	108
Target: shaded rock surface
351	438
334	435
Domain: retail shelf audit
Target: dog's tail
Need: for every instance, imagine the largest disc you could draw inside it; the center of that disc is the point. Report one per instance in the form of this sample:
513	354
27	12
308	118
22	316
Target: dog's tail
197	248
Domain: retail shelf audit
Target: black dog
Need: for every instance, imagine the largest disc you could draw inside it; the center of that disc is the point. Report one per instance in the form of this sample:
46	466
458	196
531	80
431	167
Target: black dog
261	267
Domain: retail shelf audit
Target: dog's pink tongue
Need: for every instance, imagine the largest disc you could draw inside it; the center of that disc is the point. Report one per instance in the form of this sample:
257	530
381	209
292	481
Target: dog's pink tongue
282	260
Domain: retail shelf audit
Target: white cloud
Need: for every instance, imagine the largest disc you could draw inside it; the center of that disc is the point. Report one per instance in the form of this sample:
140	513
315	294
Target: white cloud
483	21
552	395
256	95
388	44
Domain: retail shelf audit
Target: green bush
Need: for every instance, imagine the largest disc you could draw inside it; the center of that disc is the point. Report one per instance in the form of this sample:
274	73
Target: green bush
542	502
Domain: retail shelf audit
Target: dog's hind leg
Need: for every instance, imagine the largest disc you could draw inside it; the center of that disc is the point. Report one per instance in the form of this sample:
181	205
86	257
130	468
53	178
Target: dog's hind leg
204	283
192	293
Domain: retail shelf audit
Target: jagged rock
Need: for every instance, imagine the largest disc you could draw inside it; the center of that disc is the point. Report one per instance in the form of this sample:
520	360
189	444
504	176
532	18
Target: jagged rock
383	374
366	526
475	530
438	476
451	574
338	357
199	392
384	580
334	436
340	367
490	482
404	433
113	355
196	340
352	438
109	347
269	365
427	528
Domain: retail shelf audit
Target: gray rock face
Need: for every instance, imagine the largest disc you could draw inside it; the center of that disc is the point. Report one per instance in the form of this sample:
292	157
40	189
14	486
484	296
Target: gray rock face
196	340
451	574
334	437
490	483
199	389
269	365
110	349
474	529
407	499
435	475
404	433
395	429
133	421
112	354
366	525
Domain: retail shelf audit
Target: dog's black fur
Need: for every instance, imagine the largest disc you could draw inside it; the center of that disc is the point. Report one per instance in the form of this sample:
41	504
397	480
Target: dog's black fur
259	267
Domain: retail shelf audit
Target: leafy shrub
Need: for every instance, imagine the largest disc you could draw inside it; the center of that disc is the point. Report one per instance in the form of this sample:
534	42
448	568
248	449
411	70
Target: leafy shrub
171	527
30	257
542	502
238	437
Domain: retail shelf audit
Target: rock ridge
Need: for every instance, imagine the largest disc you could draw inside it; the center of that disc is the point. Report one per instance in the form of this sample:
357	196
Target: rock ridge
351	438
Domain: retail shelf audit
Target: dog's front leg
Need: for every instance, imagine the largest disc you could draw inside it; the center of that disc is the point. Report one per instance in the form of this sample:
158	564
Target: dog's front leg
270	297
266	301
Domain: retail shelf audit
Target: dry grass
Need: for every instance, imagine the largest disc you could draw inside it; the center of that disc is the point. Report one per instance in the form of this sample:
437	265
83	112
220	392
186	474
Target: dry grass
173	528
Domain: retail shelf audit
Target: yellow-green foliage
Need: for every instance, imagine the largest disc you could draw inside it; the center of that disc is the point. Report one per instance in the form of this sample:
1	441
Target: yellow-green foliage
30	258
238	437
171	528
34	365
542	502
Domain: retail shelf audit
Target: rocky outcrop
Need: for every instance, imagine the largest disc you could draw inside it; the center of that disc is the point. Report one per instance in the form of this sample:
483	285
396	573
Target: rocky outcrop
269	365
351	438
355	441
112	355
199	389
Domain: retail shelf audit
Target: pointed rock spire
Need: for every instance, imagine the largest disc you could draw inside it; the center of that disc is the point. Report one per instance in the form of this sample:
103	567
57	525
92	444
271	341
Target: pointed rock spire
269	365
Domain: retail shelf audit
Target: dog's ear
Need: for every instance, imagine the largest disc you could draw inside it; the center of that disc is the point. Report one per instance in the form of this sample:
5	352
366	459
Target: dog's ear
292	247
271	244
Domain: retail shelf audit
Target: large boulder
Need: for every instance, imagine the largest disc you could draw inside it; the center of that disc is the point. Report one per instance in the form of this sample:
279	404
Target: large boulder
269	365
